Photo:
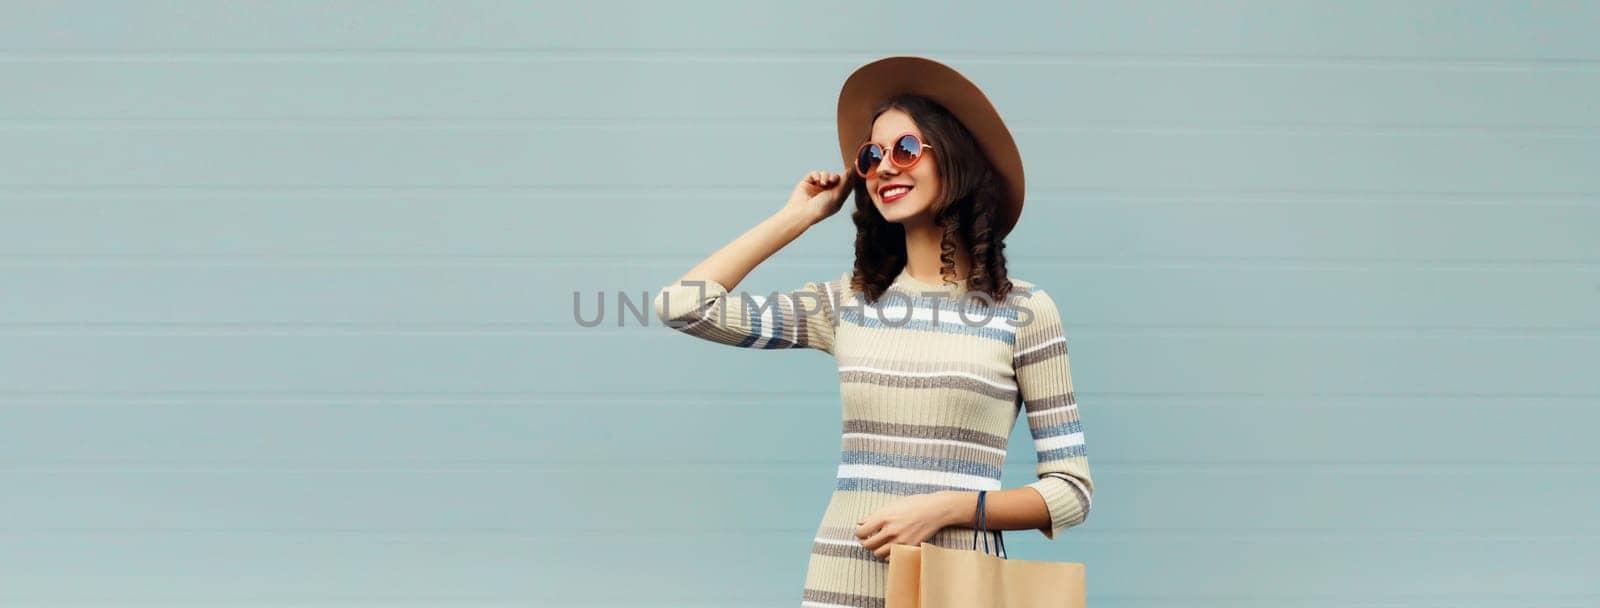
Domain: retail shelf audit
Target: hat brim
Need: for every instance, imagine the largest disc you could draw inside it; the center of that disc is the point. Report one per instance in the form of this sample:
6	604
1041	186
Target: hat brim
875	82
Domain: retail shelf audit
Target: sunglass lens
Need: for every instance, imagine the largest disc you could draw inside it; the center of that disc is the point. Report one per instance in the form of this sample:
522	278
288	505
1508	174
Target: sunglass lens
868	158
907	150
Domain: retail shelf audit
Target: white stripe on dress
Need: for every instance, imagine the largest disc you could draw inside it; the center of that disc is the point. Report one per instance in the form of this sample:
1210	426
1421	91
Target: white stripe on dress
1064	408
1059	441
931	441
1046	343
834	541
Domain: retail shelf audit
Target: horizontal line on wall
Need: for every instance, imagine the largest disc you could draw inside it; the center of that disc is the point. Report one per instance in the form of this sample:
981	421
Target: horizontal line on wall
718	399
545	396
384	260
1361	598
1101	534
1023	468
1081	196
569	327
1226	261
623	123
1106	195
759	55
319	599
1194	261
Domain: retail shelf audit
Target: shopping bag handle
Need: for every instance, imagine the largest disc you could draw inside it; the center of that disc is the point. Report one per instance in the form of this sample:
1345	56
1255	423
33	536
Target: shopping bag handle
983	527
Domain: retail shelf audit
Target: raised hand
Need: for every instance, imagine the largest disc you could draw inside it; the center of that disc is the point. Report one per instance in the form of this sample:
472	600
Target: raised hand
820	194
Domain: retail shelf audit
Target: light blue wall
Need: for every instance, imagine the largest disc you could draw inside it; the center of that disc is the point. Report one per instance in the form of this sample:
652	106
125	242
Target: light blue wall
286	296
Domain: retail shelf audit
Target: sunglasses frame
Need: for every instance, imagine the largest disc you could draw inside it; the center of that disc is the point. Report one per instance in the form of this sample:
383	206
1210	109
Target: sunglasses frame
922	146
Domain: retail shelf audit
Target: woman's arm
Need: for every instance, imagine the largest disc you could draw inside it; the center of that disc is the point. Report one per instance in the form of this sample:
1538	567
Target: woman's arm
729	265
817	196
1019	508
1062	495
698	303
1044	383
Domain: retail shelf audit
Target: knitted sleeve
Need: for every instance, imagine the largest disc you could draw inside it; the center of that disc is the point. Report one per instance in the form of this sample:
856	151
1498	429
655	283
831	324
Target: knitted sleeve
1044	383
798	318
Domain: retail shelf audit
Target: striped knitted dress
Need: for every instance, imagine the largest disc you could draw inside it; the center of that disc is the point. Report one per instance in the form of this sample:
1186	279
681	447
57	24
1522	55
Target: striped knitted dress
930	396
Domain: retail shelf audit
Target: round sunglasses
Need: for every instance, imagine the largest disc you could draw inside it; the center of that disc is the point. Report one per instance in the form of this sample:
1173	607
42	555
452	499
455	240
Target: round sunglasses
905	154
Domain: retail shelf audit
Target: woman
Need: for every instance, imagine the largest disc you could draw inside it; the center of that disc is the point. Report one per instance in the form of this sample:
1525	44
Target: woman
938	349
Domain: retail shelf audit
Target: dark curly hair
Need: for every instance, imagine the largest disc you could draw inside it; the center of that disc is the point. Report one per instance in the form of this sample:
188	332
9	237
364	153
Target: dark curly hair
968	208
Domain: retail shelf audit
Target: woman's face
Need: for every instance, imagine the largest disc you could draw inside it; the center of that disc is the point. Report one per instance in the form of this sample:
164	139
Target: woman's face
915	205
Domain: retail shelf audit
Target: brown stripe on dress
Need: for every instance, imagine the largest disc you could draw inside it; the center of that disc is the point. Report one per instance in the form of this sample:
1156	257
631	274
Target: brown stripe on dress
856	552
925	431
1054	350
952	382
1053	401
837	532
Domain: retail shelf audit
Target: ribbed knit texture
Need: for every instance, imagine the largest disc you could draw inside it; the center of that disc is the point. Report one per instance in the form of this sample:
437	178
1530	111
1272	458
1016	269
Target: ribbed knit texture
929	401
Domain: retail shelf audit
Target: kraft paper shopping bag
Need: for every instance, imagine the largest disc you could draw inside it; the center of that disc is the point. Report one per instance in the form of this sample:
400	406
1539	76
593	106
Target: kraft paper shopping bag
932	576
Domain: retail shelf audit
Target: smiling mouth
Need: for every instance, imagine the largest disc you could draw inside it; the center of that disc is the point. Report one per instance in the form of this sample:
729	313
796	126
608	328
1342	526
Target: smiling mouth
896	193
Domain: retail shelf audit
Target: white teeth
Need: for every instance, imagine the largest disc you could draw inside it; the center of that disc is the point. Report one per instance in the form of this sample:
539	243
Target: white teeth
896	190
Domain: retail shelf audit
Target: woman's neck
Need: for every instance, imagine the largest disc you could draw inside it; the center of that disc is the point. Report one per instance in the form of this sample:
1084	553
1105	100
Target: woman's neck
922	255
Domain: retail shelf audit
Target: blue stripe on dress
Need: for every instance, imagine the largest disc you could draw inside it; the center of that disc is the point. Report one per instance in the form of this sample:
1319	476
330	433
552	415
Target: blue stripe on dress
1056	430
1070	451
901	488
754	331
925	463
775	338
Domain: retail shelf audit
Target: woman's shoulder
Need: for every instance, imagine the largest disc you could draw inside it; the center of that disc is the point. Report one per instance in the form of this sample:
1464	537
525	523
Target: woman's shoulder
837	284
1024	288
1031	296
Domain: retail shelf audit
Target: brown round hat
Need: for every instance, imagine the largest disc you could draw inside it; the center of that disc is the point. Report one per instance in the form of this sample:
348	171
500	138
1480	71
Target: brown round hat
875	82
